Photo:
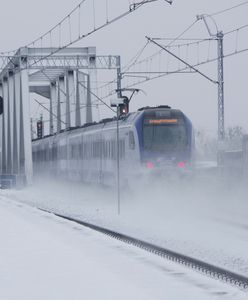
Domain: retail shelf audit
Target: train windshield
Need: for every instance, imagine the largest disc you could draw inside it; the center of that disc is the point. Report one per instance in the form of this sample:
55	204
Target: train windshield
164	134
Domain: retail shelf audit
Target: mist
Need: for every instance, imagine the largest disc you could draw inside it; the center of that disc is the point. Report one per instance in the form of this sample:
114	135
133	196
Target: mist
199	208
201	214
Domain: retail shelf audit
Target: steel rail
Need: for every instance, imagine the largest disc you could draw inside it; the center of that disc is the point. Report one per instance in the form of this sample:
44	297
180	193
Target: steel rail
200	266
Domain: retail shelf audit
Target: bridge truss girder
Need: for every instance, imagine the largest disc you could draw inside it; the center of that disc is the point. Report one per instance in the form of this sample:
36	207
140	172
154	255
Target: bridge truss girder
56	77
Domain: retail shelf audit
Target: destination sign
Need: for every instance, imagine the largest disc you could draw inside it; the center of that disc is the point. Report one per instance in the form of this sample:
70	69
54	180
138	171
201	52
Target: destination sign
161	121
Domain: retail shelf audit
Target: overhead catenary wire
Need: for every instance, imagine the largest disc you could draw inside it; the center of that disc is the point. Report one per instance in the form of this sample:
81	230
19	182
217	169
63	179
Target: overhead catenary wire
43	106
74	91
185	68
82	36
236	31
56	30
228	9
183	61
131	62
134	61
237	51
98	98
170	43
130	69
191	25
95	28
194	41
156	75
177	38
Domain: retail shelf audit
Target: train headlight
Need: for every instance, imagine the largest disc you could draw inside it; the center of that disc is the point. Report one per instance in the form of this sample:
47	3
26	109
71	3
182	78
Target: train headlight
181	164
149	165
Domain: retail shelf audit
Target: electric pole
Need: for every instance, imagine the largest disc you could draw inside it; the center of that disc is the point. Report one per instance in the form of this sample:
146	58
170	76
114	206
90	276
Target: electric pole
220	71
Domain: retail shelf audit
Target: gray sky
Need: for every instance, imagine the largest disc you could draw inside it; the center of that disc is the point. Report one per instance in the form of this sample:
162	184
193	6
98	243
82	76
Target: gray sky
22	21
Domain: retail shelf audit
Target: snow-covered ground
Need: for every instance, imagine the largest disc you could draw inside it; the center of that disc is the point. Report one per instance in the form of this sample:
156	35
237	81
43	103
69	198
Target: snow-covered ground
205	218
45	257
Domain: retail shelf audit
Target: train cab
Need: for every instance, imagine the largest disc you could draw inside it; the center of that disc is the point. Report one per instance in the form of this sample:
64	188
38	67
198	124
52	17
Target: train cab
166	138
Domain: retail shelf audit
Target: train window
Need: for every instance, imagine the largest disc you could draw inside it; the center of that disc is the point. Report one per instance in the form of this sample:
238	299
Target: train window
164	137
131	140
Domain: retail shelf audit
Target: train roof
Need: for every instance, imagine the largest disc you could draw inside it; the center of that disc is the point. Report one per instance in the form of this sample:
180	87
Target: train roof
154	107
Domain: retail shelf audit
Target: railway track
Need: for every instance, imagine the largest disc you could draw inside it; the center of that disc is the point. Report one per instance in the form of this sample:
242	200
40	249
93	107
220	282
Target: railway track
207	269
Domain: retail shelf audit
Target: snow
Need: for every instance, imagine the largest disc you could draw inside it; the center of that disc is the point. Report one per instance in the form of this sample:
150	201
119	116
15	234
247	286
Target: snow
204	217
45	257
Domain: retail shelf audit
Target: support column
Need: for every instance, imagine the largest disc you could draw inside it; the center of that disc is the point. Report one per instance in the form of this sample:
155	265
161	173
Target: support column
60	98
88	102
1	126
4	125
26	163
70	96
221	123
119	77
16	122
10	122
52	102
78	109
92	112
81	102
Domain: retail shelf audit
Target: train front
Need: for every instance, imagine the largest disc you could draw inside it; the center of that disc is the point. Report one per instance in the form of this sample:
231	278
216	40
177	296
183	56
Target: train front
166	140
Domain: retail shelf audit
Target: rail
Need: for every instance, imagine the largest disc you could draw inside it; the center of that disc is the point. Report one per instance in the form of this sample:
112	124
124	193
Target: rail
207	269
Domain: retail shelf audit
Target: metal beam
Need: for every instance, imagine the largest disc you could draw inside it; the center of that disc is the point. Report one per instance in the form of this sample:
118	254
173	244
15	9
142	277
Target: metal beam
10	123
1	129
16	132
4	125
26	163
88	102
70	97
78	98
32	70
221	115
52	103
60	98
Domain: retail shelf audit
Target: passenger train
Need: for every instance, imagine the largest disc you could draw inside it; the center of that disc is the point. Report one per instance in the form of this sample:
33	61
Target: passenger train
151	139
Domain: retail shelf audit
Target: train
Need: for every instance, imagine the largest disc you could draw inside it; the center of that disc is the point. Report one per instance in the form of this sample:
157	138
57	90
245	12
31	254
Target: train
151	139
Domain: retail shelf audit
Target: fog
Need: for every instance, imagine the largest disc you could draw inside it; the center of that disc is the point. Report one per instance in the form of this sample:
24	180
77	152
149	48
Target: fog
202	213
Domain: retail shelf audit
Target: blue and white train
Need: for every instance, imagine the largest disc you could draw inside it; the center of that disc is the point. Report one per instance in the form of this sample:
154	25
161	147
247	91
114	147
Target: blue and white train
153	138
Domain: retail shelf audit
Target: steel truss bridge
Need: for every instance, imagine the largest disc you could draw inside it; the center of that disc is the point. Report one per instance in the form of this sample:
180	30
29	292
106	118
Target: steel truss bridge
67	77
